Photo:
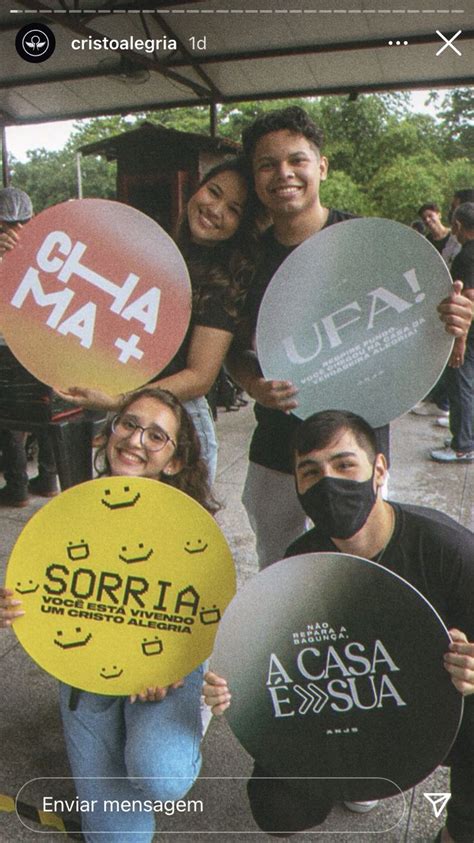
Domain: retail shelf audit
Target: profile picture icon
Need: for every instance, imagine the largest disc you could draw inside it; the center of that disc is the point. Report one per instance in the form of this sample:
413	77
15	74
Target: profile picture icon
35	42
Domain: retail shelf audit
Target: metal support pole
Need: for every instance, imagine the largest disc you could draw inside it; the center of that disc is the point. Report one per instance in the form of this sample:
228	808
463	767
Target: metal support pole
213	118
79	175
5	168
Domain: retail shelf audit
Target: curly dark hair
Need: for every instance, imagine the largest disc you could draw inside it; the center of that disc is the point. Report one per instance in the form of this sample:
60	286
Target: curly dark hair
193	479
229	265
293	118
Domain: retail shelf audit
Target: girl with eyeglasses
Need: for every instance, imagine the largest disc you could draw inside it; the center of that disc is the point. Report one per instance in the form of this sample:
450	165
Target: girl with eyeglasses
154	735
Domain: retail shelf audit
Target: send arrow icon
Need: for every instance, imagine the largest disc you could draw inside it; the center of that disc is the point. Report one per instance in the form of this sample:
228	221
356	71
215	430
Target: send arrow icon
438	801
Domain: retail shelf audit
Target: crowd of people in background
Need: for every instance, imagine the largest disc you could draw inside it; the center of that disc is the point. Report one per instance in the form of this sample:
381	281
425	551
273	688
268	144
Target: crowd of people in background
451	400
231	263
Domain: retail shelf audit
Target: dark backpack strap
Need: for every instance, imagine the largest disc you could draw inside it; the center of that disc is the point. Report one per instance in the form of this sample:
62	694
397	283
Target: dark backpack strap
74	699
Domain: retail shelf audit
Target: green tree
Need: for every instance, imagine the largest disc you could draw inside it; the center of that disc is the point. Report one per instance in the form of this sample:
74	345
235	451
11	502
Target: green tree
232	119
398	189
457	119
51	177
99	128
383	159
458	174
48	177
191	119
413	135
340	191
354	130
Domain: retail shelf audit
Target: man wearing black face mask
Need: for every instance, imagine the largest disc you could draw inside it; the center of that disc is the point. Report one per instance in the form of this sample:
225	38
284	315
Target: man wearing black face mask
339	476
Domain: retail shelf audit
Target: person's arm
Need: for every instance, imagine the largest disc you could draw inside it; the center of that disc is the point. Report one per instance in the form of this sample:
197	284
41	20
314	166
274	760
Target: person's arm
90	399
459	662
9	607
456	358
243	366
459	348
205	357
206	354
216	693
456	311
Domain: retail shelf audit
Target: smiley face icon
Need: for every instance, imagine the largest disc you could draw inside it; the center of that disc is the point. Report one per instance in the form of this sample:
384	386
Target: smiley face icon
78	642
152	647
28	588
128	499
195	547
128	559
79	551
111	673
209	616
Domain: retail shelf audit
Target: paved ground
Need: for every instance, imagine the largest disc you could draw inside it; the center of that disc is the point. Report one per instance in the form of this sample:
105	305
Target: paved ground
31	741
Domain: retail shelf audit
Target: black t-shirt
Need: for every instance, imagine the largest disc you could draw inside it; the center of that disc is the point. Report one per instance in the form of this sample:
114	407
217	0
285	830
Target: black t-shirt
271	441
210	314
436	555
438	244
462	269
429	550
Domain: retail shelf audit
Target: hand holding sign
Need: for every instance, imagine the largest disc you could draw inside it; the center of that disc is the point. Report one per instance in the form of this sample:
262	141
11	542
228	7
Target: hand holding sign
326	681
156	694
216	693
459	662
95	294
123	582
456	310
9	239
350	319
10	609
89	399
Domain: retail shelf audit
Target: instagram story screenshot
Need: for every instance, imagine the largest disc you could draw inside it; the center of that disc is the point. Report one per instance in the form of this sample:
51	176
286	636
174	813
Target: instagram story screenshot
237	421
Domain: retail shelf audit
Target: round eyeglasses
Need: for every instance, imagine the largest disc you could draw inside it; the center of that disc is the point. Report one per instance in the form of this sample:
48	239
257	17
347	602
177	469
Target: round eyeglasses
152	438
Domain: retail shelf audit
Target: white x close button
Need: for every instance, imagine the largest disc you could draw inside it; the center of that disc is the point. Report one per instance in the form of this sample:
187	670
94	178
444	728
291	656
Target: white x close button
449	42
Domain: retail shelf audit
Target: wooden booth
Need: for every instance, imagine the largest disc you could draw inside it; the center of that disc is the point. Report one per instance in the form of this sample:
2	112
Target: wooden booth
159	168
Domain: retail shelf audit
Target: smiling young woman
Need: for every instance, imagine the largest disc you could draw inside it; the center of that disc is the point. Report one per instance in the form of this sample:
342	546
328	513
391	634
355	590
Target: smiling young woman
146	746
218	240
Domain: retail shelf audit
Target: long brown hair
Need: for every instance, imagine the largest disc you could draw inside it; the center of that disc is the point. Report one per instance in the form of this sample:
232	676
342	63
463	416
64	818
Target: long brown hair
228	265
193	478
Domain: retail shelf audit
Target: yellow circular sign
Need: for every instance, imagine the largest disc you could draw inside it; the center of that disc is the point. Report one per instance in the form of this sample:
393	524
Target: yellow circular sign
123	582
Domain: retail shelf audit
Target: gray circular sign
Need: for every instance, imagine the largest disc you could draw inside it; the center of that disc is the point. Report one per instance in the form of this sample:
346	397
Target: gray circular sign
327	679
350	318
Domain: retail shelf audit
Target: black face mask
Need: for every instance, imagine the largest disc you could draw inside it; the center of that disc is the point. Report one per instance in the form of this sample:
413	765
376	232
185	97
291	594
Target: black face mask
339	507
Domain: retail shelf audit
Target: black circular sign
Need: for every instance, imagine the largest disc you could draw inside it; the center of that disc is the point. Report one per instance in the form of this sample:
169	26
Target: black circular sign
35	42
335	666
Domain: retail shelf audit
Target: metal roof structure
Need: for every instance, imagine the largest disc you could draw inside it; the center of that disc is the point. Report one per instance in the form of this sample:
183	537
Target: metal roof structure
223	51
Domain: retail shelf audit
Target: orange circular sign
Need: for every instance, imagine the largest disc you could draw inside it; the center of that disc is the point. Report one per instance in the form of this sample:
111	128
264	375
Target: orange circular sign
95	294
